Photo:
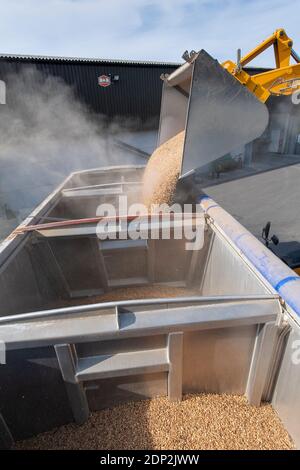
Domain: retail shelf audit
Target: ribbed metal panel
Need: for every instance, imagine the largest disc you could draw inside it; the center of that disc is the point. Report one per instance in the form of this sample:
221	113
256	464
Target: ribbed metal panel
137	94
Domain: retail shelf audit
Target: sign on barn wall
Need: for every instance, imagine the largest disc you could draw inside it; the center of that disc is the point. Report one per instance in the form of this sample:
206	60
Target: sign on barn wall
104	81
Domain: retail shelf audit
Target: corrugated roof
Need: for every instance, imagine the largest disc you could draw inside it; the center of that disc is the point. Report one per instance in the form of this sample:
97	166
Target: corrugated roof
95	60
42	58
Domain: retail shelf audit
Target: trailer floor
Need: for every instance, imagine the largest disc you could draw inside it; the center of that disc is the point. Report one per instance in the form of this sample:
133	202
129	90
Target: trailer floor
198	422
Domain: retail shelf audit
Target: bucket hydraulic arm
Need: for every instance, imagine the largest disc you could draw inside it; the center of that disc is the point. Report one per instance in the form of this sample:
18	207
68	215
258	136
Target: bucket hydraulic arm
282	80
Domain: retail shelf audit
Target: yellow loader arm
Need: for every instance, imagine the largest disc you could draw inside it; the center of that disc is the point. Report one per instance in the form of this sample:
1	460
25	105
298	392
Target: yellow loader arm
283	80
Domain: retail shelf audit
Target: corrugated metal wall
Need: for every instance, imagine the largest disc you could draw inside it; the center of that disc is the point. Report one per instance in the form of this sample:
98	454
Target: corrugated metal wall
137	94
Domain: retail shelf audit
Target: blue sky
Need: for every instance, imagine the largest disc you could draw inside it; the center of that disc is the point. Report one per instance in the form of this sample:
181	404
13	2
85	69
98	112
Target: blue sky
143	29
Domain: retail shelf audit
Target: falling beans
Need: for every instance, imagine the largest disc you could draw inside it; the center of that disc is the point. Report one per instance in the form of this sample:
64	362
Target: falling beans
162	172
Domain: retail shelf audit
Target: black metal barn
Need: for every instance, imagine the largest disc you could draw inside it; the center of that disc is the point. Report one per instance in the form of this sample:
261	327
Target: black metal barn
133	91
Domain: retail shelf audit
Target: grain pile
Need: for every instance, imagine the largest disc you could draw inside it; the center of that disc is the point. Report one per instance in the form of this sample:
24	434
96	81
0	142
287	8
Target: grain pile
146	292
198	422
154	291
162	172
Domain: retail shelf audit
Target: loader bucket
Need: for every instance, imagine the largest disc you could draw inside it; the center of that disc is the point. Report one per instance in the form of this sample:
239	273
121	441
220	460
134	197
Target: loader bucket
217	113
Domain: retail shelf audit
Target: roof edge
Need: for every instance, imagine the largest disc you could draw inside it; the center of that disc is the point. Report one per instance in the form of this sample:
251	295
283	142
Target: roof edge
44	58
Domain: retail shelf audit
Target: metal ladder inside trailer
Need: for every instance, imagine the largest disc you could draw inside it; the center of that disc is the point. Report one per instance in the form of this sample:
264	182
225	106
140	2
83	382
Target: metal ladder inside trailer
77	371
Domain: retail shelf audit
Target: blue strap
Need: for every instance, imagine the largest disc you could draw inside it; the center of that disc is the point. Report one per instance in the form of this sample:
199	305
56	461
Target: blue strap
285	281
210	207
203	197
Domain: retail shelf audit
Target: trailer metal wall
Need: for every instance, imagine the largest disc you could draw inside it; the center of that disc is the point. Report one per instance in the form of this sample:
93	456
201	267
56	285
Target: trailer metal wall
285	393
286	399
225	273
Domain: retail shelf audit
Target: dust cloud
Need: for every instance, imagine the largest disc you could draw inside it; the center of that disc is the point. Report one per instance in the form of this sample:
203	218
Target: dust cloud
46	133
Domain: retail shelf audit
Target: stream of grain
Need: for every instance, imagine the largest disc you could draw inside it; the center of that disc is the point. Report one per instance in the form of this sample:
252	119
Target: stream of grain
162	172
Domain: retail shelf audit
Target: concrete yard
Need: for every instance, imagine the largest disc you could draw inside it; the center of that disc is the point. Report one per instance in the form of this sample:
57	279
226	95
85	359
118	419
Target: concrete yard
270	196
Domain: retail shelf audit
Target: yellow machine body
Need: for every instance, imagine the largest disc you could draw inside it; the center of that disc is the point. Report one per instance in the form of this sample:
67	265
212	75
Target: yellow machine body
282	80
